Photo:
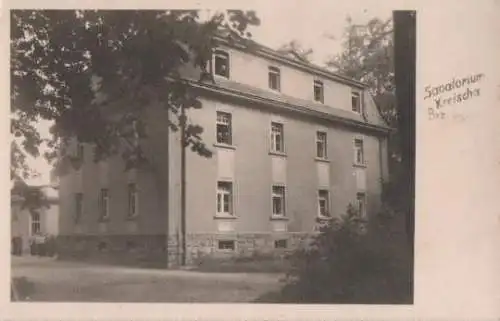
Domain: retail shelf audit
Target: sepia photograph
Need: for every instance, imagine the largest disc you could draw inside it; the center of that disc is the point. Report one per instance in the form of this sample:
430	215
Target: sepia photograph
213	156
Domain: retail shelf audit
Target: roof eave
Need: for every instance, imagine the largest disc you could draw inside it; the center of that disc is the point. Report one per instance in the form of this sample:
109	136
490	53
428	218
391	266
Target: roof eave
254	98
269	53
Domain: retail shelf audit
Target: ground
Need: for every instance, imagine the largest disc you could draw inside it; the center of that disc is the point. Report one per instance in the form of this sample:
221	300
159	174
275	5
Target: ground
47	279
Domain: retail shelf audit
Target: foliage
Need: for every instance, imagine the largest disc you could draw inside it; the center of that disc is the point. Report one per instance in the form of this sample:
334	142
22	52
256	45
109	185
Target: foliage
368	56
295	49
352	260
94	72
32	197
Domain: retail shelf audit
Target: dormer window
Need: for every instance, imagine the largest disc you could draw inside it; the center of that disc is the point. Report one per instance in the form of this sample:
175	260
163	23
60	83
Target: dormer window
221	63
356	101
274	78
318	91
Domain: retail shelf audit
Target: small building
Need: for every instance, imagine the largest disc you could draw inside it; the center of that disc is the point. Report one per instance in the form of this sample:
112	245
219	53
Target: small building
28	224
293	145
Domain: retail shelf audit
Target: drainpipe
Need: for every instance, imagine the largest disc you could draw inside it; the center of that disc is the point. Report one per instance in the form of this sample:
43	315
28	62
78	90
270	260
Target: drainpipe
183	185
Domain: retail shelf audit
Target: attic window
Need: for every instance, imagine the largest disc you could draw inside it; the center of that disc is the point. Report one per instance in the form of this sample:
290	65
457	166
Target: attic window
318	91
274	78
221	63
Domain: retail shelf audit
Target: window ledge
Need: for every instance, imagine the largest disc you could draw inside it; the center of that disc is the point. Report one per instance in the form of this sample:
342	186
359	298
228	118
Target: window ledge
104	220
221	145
321	218
274	153
279	218
229	217
359	165
132	218
324	160
220	76
226	250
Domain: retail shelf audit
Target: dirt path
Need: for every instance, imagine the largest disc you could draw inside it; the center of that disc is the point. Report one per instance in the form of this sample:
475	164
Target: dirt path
50	280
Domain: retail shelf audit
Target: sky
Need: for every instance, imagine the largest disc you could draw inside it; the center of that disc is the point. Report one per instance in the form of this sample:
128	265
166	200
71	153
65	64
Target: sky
307	22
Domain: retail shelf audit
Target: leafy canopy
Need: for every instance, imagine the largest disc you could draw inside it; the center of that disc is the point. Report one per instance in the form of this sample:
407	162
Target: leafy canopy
368	56
93	72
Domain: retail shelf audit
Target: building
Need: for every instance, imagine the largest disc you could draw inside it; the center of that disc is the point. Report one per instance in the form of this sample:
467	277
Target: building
28	224
293	145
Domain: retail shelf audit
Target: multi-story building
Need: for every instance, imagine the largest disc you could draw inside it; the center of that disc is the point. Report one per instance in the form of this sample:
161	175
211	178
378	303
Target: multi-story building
28	224
293	145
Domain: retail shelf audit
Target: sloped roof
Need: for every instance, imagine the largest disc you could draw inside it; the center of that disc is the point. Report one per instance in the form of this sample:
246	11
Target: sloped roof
267	52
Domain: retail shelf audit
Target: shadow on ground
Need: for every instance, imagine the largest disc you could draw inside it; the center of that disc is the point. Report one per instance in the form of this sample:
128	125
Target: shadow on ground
21	289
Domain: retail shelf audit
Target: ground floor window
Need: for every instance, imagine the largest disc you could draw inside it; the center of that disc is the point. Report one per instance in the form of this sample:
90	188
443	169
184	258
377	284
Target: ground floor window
278	200
35	223
361	203
102	246
224	198
323	203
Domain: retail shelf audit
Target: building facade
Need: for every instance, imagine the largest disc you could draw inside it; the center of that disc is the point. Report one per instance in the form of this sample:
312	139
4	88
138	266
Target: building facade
293	145
27	224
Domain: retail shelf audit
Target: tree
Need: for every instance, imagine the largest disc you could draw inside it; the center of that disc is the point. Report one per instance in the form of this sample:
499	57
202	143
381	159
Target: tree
32	198
353	260
368	56
93	72
295	49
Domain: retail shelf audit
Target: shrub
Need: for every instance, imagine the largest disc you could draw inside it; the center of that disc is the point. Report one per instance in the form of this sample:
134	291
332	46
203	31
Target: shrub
353	260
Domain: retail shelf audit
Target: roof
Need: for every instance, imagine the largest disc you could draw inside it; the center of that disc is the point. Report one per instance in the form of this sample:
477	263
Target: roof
233	89
229	88
266	52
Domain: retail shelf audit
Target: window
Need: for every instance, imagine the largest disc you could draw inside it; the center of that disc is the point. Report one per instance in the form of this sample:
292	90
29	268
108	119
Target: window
274	78
321	145
102	246
80	150
130	245
323	203
318	91
103	203
359	157
15	213
78	206
361	203
35	223
224	135
224	198
278	200
356	101
280	244
226	245
221	63
277	141
133	198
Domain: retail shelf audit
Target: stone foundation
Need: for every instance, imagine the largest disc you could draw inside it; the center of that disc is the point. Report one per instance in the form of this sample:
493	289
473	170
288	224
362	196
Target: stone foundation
156	250
200	246
148	250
